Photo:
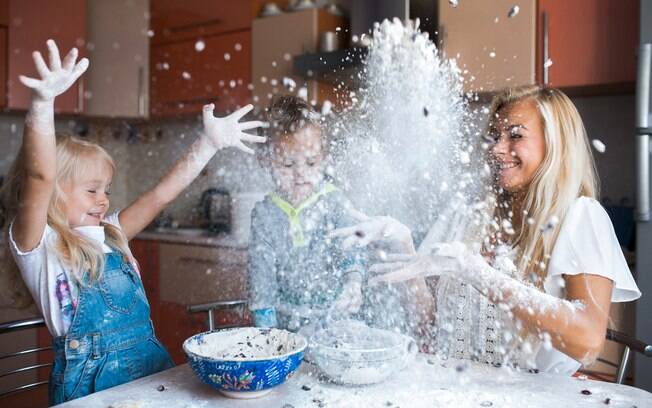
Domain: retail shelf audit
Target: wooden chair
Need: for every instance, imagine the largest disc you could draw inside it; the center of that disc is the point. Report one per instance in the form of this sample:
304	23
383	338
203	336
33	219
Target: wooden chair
226	305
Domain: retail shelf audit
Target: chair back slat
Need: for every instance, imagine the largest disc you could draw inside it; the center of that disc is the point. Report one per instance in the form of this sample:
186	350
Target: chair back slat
16	326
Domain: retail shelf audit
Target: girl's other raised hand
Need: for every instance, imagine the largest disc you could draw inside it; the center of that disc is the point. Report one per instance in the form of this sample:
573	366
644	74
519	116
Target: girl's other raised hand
58	76
229	131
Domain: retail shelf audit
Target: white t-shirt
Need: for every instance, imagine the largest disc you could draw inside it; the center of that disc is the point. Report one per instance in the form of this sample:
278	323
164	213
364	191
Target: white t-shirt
48	280
587	244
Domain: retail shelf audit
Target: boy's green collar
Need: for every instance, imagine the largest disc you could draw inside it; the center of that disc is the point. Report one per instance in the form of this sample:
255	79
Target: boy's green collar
296	230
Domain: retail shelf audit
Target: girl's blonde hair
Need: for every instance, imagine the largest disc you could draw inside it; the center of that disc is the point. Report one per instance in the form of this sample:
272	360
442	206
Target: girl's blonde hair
566	173
78	253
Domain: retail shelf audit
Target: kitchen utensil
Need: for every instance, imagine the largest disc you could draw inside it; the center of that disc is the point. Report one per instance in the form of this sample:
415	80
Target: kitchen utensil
301	5
245	362
334	9
216	206
270	9
351	353
328	41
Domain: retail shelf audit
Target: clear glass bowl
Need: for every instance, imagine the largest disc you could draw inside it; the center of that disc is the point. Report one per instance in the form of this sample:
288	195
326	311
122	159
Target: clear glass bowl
352	353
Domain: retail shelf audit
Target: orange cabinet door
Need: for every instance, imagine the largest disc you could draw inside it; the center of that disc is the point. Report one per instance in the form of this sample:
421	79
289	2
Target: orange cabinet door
188	74
492	49
3	66
590	42
31	24
174	20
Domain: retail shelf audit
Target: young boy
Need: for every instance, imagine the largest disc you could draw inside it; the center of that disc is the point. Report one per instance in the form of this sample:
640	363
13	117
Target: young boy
297	274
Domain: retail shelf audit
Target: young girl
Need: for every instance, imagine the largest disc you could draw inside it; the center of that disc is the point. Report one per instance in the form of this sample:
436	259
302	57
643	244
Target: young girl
551	310
73	257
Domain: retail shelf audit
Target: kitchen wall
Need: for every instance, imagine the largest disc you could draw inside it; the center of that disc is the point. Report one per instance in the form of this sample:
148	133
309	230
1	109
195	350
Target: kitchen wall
143	157
611	120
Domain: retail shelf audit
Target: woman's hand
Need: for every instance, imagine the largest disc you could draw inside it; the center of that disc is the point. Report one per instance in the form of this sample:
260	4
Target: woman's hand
56	78
229	131
382	231
444	259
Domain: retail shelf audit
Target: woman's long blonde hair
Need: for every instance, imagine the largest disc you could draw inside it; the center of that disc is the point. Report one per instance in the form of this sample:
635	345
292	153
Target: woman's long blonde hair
78	253
566	173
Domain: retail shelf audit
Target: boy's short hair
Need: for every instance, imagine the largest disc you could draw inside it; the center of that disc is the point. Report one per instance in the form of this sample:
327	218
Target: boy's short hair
287	114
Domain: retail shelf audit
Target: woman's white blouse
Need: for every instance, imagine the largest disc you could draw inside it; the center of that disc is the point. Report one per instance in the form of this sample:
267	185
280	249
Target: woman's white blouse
586	244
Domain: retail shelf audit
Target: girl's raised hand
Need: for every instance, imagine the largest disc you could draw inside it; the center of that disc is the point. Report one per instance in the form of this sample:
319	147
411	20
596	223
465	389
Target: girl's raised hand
56	78
229	131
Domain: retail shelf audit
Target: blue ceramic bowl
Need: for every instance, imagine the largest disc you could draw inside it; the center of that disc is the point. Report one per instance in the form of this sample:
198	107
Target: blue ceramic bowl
245	362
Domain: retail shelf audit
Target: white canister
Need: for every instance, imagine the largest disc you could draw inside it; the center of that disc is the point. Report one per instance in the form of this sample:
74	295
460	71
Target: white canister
241	206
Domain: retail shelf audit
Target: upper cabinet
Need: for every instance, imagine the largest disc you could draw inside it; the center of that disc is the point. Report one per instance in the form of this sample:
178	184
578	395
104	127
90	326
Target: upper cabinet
200	52
188	74
589	42
277	39
4	29
174	20
118	48
491	48
31	24
580	44
112	34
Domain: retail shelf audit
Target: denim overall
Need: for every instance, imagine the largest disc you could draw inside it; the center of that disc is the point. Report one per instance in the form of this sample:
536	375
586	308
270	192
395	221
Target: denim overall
111	340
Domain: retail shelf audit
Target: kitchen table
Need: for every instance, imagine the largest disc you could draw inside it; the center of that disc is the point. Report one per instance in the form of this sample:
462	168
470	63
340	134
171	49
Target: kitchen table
426	382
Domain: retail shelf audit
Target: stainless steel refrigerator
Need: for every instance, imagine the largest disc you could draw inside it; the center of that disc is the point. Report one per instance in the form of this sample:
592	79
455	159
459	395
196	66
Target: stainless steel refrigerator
643	365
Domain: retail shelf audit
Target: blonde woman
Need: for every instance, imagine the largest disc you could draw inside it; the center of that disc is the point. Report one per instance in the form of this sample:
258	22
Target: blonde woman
74	258
536	290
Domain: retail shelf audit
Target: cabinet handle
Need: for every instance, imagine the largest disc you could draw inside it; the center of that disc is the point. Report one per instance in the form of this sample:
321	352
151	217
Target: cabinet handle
80	95
141	91
440	39
643	131
208	262
546	50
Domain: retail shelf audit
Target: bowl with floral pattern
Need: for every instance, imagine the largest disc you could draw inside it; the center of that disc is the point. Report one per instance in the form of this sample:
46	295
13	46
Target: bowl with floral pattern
245	362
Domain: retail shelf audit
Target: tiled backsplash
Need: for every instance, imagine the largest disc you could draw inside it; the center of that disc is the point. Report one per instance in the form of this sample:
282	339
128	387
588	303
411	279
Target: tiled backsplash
142	156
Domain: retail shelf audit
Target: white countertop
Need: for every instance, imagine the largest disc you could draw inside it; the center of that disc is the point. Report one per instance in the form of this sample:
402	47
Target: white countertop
220	240
427	382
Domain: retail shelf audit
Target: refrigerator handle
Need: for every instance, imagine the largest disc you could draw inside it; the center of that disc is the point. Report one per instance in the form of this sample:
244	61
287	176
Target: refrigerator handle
643	133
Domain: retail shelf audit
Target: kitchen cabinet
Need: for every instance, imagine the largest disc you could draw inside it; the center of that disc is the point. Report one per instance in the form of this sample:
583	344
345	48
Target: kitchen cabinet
492	50
3	66
178	275
174	21
4	37
194	274
113	35
31	24
276	40
183	78
590	43
117	82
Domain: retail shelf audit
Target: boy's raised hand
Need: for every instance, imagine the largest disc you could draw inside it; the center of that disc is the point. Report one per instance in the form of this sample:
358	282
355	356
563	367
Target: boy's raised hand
56	78
379	230
229	131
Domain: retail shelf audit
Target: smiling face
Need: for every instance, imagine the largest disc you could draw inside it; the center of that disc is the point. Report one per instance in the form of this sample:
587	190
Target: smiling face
519	147
296	163
87	196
